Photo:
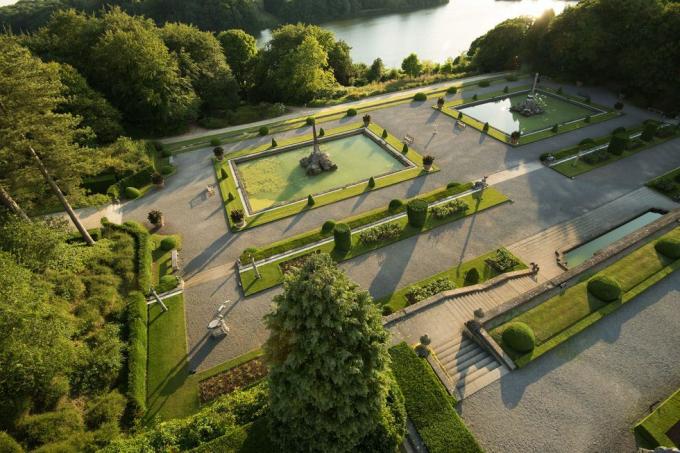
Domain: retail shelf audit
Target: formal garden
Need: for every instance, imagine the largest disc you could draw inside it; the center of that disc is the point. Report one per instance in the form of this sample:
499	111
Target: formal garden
662	426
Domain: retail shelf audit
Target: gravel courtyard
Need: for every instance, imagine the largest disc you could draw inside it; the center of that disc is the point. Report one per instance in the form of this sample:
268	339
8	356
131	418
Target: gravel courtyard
585	395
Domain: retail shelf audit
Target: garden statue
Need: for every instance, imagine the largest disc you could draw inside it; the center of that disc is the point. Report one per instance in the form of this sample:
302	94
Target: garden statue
532	105
318	161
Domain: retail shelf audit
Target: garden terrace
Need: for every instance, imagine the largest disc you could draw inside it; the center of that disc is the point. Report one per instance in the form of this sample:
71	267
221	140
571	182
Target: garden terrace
267	183
668	184
662	426
456	275
490	113
428	405
563	316
270	270
580	159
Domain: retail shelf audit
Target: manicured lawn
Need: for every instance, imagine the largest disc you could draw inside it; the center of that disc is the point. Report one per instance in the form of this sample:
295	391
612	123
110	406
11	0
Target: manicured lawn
668	184
449	109
456	274
271	274
566	314
429	406
228	185
579	166
652	429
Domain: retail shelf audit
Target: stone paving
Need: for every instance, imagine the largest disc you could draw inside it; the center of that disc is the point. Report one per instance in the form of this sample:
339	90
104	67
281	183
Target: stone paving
586	395
541	198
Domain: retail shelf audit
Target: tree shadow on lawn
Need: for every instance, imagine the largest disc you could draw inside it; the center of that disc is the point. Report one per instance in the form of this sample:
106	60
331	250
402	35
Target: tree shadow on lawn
608	329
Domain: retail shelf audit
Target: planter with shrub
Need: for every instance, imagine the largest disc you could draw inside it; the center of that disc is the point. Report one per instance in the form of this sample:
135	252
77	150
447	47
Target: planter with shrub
416	211
485	128
514	137
321	132
238	217
158	180
520	337
367	120
427	162
218	151
440	103
156	218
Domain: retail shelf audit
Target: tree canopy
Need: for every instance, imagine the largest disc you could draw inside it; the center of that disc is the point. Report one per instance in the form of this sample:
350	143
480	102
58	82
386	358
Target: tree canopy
328	357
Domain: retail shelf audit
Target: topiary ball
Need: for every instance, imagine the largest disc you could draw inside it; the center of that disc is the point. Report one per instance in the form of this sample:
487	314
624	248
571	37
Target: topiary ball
264	130
669	247
395	204
420	97
327	226
604	288
520	337
168	243
132	193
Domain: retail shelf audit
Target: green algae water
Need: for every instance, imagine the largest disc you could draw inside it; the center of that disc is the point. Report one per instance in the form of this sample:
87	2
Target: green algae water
497	113
279	178
586	251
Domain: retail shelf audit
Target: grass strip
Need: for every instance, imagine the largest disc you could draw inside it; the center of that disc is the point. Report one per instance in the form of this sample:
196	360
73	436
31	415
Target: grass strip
667	184
231	200
429	406
448	109
330	114
652	429
563	316
356	221
577	167
271	274
456	274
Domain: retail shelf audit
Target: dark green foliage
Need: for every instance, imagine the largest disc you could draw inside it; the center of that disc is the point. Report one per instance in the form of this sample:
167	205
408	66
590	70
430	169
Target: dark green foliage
618	106
49	427
387	310
137	320
418	293
472	277
485	128
452	185
453	207
497	49
586	143
555	129
327	227
215	142
668	247
218	151
132	193
404	149
224	173
587	119
142	252
506	89
503	261
321	132
8	444
452	90
417	213
429	406
157	179
559	90
316	384
388	435
604	288
168	243
395	205
649	131
342	236
380	233
105	409
460	115
440	102
420	97
310	200
264	130
167	283
237	215
618	143
519	337
168	169
274	144
351	112
136	180
484	83
596	157
97	366
384	134
310	120
371	182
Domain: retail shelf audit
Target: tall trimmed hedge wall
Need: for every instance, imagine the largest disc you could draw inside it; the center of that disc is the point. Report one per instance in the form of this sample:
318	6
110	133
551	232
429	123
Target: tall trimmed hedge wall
137	321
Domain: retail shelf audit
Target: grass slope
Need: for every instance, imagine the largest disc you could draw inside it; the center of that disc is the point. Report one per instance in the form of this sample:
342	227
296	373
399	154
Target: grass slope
563	316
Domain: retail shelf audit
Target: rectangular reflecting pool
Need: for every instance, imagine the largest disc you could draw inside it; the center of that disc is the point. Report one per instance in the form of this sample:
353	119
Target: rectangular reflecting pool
497	113
278	178
584	252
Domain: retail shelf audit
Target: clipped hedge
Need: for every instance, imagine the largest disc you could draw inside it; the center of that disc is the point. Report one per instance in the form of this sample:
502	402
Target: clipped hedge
143	246
168	243
167	283
618	143
342	235
136	180
137	322
327	227
668	247
395	205
604	288
420	97
520	337
8	444
132	193
429	406
417	212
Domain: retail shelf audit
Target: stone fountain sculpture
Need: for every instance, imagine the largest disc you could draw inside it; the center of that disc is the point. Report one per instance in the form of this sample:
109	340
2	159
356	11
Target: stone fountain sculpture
532	105
318	161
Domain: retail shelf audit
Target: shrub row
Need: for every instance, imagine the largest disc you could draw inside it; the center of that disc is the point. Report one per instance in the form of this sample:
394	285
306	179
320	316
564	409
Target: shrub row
137	321
448	209
136	180
143	246
380	233
429	406
418	293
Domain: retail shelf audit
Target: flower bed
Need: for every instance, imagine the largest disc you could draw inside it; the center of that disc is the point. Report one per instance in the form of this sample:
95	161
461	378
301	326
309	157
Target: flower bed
230	380
418	293
380	233
450	208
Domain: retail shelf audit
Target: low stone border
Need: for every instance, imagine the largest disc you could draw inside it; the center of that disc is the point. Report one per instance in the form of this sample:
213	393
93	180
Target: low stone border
442	374
443	296
485	341
604	258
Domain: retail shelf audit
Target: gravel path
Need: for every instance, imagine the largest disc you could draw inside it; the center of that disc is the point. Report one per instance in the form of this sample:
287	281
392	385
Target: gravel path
586	394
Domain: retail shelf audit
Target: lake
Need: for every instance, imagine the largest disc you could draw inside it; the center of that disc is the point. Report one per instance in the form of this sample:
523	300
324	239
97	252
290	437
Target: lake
434	33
